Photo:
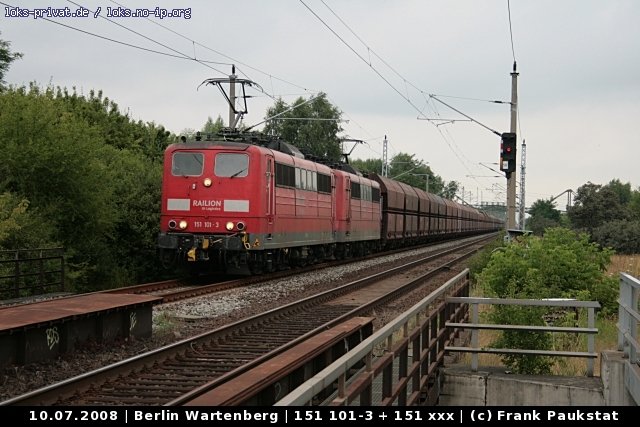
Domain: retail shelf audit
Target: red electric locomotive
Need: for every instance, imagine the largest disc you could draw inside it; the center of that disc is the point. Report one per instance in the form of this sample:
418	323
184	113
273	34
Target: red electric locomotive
247	205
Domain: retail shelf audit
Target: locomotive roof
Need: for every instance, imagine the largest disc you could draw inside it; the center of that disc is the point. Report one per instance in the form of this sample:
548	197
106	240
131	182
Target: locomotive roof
210	144
233	139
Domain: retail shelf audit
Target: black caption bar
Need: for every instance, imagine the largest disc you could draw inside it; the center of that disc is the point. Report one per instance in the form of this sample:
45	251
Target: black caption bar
46	416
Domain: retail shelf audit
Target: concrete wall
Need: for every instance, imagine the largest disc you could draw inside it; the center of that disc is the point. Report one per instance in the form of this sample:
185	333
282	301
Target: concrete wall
494	387
612	372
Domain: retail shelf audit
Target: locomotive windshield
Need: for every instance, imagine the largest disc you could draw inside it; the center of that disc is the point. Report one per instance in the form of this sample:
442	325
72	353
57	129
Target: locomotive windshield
187	163
231	165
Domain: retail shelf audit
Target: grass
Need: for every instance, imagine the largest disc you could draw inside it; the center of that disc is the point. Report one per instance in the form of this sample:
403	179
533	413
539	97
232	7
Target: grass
625	264
163	323
606	339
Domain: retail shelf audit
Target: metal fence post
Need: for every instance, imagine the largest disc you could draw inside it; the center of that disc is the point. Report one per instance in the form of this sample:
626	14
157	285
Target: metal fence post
16	283
633	325
62	284
591	344
42	282
475	339
623	321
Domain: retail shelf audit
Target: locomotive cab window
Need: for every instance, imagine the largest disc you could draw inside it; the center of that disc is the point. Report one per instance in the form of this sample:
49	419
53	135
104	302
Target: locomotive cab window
355	190
285	175
324	183
231	165
375	194
187	163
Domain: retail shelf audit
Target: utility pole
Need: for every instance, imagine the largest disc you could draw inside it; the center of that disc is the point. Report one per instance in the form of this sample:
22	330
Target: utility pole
511	180
232	97
385	165
523	163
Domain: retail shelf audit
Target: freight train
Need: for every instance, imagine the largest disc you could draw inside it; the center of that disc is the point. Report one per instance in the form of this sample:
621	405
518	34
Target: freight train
248	203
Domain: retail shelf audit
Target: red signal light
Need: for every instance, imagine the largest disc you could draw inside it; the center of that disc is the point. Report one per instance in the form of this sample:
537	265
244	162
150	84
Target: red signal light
508	153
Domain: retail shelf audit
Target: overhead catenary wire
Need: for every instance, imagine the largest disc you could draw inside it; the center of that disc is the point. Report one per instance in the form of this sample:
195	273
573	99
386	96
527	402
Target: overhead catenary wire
361	57
194	58
177	54
406	82
370	50
467	116
235	60
308	91
150	39
395	89
492	101
116	41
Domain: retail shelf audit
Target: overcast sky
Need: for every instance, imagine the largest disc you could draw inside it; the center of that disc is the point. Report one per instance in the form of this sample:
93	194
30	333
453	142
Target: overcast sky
579	82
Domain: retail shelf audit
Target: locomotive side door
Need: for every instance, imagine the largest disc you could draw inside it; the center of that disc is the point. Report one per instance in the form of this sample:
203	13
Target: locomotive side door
270	193
334	196
347	204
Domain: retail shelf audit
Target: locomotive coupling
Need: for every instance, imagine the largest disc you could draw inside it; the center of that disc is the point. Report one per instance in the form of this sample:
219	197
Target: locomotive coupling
245	241
191	255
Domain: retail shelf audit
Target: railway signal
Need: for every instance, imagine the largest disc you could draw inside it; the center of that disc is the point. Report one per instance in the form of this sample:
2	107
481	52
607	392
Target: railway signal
508	153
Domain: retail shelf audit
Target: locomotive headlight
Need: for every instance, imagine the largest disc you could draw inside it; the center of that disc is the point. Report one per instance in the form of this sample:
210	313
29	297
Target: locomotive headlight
207	182
241	225
183	224
229	226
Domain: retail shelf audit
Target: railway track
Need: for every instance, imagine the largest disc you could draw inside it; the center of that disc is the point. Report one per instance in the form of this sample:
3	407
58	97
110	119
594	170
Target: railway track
170	375
176	290
179	289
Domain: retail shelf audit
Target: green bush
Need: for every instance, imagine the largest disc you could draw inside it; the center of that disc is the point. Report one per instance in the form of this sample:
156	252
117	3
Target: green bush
622	236
562	264
481	258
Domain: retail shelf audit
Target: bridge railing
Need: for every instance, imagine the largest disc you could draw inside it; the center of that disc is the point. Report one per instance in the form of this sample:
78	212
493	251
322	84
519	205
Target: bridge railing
401	359
28	272
628	319
475	326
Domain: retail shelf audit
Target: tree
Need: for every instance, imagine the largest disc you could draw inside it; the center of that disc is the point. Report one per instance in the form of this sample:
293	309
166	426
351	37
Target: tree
368	165
595	205
21	227
450	190
538	224
544	209
312	126
623	191
543	214
6	58
154	140
406	168
634	204
623	236
77	172
211	127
